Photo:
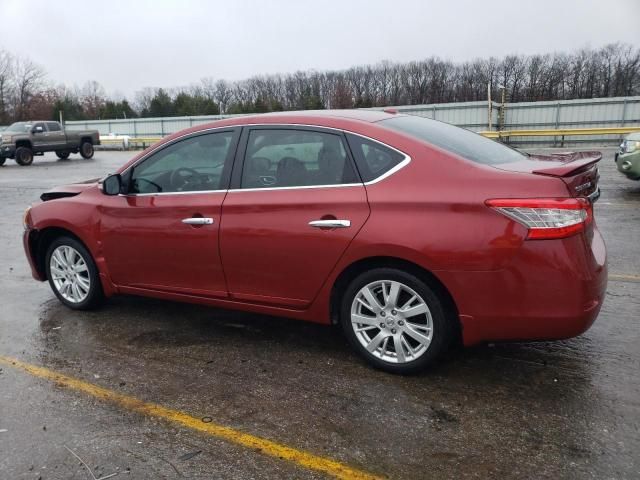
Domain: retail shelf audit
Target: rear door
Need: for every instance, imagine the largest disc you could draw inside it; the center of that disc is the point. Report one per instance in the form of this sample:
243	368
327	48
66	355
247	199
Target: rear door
295	205
55	136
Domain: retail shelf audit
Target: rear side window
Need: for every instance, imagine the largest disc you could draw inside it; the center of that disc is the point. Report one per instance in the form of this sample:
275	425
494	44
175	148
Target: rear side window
372	158
456	140
295	158
53	126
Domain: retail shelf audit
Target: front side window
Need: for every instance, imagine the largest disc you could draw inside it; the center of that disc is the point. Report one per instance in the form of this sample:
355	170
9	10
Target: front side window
295	158
53	126
40	125
193	164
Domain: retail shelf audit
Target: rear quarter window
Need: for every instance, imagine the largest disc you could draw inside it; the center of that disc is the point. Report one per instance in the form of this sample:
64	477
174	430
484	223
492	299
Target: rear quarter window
372	158
454	139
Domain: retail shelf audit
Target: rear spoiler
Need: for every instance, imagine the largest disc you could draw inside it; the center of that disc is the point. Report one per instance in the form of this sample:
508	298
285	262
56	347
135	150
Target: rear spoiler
565	164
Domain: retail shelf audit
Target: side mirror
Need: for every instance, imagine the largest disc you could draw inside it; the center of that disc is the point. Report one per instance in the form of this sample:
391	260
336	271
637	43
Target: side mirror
112	184
37	130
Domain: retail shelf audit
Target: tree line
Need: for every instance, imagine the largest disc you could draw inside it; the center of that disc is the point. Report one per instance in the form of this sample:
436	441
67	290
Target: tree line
610	71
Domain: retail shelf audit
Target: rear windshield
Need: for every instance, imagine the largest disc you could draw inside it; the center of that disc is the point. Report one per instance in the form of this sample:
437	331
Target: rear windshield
456	140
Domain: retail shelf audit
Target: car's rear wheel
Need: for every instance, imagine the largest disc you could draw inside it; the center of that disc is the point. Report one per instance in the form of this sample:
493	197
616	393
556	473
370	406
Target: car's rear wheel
395	320
24	156
73	275
63	154
86	149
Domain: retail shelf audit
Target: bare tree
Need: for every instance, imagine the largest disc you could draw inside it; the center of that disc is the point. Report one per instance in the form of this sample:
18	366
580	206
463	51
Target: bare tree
28	79
6	70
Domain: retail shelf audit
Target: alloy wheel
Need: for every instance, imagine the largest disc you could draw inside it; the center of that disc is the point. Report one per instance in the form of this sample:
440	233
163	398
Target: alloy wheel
70	274
392	321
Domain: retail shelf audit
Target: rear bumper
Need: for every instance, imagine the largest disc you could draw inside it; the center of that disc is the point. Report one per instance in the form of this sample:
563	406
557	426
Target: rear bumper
553	290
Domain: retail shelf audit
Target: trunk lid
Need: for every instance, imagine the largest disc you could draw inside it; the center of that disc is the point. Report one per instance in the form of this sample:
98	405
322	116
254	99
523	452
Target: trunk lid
578	170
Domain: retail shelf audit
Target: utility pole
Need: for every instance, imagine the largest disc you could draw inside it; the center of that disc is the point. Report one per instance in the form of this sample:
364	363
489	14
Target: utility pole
60	115
502	107
489	105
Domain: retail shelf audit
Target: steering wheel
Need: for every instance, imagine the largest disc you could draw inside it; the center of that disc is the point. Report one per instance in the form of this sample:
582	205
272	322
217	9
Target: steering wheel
182	176
154	184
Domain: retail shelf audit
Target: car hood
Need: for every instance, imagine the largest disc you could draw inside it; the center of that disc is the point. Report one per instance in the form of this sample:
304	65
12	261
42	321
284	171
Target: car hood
70	190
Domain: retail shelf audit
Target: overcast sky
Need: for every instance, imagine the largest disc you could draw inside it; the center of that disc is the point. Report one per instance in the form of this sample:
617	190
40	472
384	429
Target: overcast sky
127	45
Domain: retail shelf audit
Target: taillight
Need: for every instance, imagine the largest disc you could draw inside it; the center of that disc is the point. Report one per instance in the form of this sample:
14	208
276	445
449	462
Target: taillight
547	218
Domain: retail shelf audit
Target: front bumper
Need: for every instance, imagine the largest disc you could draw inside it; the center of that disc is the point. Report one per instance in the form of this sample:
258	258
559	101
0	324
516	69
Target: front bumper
629	164
7	150
29	239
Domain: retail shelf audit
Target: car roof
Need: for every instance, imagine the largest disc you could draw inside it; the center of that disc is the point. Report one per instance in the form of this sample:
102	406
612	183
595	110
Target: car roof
312	117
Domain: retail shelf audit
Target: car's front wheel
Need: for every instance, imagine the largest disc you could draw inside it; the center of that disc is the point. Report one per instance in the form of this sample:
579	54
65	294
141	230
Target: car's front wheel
24	156
395	320
73	275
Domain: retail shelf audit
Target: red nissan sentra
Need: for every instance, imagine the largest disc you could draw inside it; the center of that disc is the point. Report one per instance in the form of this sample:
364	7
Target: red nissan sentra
410	233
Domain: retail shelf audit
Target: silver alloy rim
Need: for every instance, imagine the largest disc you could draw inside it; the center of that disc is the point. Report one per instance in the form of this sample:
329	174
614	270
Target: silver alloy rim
70	274
391	321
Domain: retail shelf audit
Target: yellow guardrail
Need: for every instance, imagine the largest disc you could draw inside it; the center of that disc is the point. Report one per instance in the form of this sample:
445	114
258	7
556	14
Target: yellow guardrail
560	132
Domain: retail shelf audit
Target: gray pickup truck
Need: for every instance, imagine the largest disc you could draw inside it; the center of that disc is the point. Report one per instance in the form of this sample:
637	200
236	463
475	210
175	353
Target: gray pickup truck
22	140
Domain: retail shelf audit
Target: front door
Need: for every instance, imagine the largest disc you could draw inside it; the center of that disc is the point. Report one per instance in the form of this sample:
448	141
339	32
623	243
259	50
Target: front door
297	205
39	137
162	234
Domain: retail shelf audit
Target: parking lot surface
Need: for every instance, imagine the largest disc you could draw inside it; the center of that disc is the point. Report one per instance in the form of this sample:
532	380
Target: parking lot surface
567	409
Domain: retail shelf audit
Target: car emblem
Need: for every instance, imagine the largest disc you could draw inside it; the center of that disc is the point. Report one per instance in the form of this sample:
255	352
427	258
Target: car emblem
582	187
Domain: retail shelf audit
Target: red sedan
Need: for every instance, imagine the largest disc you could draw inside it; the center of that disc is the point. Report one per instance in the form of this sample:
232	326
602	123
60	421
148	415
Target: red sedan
410	233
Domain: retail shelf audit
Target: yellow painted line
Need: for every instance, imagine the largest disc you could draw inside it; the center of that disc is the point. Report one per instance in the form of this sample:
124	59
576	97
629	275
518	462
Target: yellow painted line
267	447
624	277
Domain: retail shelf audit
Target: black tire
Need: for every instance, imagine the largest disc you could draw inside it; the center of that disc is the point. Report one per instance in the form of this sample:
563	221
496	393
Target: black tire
94	296
63	154
86	150
24	156
442	327
2	160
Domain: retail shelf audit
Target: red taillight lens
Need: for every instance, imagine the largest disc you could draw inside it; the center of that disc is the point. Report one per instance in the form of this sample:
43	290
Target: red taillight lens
547	218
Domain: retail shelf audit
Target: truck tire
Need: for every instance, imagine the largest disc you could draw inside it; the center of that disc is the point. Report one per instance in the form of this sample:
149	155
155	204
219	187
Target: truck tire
2	160
63	154
86	149
24	156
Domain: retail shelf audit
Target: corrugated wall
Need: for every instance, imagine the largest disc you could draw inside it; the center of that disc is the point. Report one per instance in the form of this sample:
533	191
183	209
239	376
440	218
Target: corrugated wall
598	112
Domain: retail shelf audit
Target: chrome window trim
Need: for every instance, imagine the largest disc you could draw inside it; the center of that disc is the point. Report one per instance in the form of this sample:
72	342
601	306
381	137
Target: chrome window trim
388	173
153	194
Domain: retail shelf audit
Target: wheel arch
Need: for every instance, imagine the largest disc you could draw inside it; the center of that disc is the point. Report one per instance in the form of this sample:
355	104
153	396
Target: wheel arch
351	271
43	239
24	143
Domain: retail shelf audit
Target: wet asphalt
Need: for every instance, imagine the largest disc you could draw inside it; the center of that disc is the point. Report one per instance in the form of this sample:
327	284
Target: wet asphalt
568	409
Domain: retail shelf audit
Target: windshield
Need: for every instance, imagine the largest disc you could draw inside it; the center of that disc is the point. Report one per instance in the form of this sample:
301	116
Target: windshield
19	127
456	140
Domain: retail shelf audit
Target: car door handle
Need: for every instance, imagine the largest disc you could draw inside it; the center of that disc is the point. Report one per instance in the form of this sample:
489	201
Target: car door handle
330	223
198	221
